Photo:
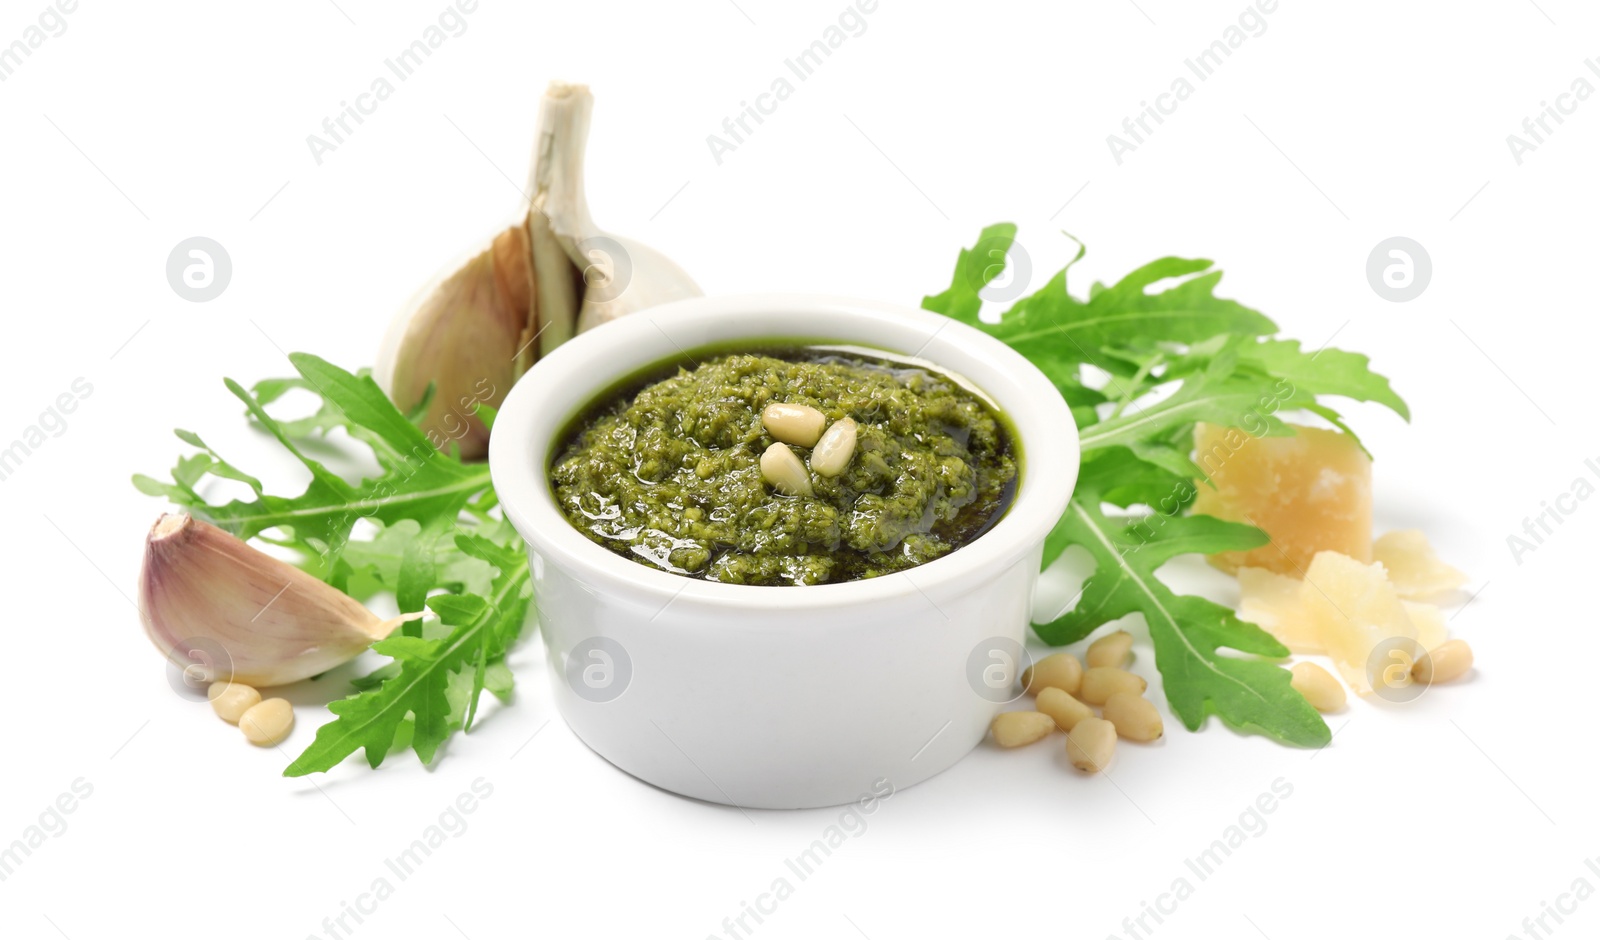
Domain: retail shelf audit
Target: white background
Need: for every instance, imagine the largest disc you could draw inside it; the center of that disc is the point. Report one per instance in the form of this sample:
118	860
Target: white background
1341	125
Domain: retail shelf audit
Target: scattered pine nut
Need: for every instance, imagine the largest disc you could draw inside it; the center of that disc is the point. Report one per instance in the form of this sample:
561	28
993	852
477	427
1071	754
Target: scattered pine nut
1014	729
1134	717
1091	745
1110	650
1058	670
1318	686
1060	705
1448	661
1101	682
232	699
268	722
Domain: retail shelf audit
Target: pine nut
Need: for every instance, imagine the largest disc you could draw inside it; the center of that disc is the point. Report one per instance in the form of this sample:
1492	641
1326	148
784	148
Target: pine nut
835	448
1110	650
793	424
785	471
1134	717
1449	660
1060	705
1102	682
1014	729
232	699
268	722
1058	670
1318	686
1091	744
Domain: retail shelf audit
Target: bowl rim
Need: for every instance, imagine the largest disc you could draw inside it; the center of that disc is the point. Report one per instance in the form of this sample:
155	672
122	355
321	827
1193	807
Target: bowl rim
540	405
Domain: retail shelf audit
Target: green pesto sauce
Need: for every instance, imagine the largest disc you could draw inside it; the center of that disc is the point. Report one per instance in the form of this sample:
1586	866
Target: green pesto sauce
666	471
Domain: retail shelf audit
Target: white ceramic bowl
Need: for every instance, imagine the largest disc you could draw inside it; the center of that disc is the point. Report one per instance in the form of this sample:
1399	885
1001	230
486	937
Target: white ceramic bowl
781	697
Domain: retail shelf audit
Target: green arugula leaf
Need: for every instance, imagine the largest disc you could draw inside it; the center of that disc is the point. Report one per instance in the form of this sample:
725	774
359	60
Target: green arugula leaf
1060	334
427	525
419	689
976	267
1215	397
1302	375
1188	632
1123	478
1325	371
377	563
418	482
1053	326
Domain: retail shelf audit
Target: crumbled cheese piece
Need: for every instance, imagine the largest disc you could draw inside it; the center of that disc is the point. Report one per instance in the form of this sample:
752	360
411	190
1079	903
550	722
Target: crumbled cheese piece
1354	609
1429	620
1272	602
1414	568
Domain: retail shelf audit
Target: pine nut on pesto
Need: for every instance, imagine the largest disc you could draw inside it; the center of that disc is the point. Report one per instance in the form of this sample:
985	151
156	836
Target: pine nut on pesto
666	470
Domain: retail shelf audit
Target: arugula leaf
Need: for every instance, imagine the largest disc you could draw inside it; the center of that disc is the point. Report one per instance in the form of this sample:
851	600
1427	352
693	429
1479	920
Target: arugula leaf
1140	363
1060	334
1215	396
1123	478
379	562
483	628
1051	326
975	268
1188	632
433	529
418	481
1326	371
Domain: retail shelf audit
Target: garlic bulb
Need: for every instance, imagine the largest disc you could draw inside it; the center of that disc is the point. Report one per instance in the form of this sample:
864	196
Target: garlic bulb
477	331
268	622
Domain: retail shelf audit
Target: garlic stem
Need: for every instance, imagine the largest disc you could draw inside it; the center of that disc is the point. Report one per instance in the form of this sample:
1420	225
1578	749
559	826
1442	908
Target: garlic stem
617	276
557	183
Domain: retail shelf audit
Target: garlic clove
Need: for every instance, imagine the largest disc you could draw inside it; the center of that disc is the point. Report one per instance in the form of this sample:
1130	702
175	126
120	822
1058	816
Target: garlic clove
469	340
556	285
619	276
271	623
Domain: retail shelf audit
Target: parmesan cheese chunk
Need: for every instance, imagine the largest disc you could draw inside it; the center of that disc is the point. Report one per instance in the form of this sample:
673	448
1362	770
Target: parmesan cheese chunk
1311	492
